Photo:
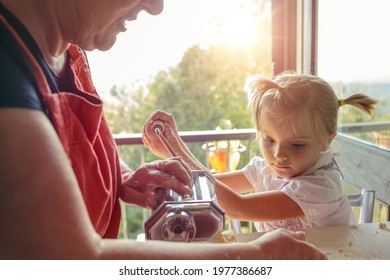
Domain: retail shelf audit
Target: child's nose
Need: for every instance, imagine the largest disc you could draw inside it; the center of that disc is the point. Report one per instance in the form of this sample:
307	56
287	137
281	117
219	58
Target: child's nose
280	153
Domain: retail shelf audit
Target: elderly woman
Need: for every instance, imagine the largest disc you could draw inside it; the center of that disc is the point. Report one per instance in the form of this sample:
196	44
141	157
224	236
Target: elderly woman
60	174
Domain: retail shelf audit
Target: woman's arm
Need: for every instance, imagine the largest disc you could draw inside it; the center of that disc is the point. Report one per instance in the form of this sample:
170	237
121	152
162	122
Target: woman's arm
42	214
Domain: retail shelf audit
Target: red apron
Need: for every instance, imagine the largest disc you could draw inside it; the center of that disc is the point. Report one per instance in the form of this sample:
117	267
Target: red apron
83	130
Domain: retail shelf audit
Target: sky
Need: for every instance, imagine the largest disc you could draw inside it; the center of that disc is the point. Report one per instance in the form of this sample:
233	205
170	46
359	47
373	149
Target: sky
354	41
353	44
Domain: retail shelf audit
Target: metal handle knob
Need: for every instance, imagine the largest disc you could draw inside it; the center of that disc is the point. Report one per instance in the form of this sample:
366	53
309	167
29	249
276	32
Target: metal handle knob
158	129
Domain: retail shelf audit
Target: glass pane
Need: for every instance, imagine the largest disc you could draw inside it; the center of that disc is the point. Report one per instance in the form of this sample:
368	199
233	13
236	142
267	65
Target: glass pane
192	61
353	55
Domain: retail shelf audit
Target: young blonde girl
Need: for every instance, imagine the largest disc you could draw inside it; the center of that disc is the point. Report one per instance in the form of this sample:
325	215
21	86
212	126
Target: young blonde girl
298	183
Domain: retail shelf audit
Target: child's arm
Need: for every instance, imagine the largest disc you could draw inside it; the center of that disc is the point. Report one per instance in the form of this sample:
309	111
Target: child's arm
263	206
234	179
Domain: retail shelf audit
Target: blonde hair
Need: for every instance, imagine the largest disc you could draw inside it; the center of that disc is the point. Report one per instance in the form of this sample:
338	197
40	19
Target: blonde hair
297	99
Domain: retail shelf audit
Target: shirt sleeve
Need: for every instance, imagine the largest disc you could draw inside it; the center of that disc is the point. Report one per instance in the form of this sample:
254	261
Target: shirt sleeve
321	200
253	172
18	86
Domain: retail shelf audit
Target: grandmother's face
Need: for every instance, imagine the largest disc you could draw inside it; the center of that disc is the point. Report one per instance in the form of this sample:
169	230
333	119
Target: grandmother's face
103	20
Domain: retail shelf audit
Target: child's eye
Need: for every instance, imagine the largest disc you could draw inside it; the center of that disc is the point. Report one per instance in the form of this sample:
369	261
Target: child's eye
268	139
298	145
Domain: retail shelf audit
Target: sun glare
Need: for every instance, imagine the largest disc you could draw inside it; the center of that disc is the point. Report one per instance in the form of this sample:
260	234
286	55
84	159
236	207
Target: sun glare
238	30
236	23
236	27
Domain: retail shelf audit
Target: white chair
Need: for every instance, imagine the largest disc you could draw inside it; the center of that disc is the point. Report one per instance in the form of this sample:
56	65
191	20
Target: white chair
365	201
235	226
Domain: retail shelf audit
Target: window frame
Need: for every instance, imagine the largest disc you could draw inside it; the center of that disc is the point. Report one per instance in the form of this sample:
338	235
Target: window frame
294	35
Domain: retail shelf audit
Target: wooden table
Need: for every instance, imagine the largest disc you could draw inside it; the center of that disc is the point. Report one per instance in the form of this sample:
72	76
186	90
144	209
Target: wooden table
362	241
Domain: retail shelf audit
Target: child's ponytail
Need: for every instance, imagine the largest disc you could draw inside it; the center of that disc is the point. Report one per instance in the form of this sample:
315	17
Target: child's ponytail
360	101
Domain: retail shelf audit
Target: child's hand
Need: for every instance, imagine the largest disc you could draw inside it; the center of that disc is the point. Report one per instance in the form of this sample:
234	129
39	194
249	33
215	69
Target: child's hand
164	117
151	140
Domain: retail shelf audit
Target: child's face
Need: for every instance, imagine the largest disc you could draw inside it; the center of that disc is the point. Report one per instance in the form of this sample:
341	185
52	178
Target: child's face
288	151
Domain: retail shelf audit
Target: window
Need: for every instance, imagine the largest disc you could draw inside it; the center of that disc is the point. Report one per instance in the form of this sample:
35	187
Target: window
353	55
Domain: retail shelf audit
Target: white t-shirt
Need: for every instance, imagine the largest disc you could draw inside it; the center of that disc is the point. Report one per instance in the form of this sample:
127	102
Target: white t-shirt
317	191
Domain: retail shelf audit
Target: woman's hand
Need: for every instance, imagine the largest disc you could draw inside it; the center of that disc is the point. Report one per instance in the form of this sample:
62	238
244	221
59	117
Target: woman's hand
147	186
282	244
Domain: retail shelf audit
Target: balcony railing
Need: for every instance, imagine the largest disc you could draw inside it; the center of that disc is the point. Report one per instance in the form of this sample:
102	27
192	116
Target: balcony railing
363	165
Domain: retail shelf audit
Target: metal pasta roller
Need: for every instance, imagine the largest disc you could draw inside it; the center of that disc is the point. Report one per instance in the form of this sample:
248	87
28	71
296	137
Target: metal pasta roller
195	218
192	218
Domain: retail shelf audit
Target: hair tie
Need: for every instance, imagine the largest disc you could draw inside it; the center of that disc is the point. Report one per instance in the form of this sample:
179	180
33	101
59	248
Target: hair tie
341	102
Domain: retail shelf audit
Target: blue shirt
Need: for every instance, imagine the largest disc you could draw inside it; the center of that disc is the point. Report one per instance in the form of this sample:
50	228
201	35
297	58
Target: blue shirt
17	80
